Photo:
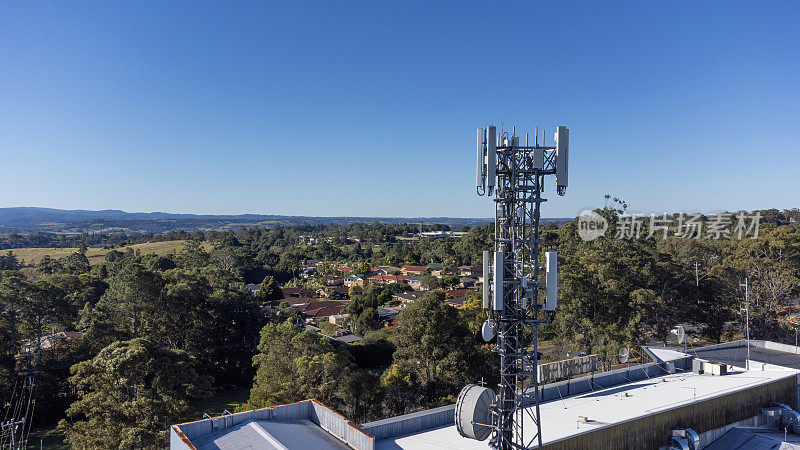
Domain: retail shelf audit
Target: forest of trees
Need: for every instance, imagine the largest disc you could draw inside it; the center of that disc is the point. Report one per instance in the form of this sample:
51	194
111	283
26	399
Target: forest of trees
162	332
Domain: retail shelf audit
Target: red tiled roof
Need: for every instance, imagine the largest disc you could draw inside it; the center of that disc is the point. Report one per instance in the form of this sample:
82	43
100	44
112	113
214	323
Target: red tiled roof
457	292
295	301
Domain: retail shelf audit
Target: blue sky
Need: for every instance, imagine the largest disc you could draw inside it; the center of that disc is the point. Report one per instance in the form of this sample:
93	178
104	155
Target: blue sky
370	108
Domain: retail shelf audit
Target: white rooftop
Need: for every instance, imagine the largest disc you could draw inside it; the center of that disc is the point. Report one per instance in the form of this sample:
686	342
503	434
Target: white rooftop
269	435
602	407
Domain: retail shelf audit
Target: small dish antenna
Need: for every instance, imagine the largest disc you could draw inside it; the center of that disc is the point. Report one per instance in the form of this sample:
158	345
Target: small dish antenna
624	354
488	331
680	332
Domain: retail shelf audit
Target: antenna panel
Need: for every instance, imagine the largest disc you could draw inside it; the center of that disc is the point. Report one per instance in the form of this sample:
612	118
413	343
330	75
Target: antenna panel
538	158
486	279
562	158
491	155
497	281
551	265
480	174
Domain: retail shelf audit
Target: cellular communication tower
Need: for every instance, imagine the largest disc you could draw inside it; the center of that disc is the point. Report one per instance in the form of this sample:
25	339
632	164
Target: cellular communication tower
513	274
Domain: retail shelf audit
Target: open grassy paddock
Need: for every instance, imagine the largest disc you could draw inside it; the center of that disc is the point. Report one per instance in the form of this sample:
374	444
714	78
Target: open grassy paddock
32	255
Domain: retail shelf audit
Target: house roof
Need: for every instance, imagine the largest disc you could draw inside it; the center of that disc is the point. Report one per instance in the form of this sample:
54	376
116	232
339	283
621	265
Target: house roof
457	293
355	276
408	296
348	338
388	277
322	308
294	291
294	301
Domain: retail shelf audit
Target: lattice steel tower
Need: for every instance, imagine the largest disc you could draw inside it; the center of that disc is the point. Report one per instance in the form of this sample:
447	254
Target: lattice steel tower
515	175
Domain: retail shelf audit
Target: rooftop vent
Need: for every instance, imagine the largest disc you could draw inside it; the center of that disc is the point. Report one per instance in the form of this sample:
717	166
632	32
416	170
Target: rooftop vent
686	439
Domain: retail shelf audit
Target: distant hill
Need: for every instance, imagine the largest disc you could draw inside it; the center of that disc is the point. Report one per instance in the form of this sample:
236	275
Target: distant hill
32	219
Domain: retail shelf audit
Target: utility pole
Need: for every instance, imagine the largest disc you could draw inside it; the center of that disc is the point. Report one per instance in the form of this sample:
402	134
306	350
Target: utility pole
696	274
747	318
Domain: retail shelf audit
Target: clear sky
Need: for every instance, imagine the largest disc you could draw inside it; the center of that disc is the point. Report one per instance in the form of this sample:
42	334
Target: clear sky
369	108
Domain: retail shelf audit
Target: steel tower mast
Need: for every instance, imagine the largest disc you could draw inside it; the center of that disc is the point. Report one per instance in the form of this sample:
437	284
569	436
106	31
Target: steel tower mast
515	175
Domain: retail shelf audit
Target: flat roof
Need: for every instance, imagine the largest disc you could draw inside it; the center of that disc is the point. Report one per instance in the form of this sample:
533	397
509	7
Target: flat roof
754	439
603	407
736	356
271	434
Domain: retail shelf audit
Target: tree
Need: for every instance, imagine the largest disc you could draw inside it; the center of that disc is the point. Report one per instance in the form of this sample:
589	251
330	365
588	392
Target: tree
129	394
367	321
293	365
429	282
433	344
363	268
132	294
359	394
269	290
9	261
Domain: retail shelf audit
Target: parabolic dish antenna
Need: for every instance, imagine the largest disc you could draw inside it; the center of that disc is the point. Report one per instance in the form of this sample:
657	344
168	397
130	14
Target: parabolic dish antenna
624	354
488	331
680	332
473	412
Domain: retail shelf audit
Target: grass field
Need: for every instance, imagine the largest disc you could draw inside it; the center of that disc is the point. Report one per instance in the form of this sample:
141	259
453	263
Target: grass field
47	439
32	255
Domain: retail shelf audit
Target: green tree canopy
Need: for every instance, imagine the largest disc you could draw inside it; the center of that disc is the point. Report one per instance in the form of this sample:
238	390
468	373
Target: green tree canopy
129	394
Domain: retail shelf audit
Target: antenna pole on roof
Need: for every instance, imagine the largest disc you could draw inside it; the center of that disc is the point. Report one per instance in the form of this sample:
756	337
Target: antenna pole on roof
747	318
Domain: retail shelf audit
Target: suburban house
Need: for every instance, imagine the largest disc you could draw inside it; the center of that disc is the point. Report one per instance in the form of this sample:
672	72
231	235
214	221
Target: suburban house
387	270
413	270
415	282
408	297
293	301
332	281
297	292
467	282
470	271
438	270
387	315
337	292
322	309
337	319
458	296
355	279
387	279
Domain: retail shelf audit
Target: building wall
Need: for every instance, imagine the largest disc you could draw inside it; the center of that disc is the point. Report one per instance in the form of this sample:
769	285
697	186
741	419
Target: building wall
411	423
329	420
653	431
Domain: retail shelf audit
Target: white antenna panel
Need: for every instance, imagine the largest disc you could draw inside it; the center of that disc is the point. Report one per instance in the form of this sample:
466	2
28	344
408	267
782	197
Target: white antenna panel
497	281
562	158
486	279
481	172
491	155
551	265
538	158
